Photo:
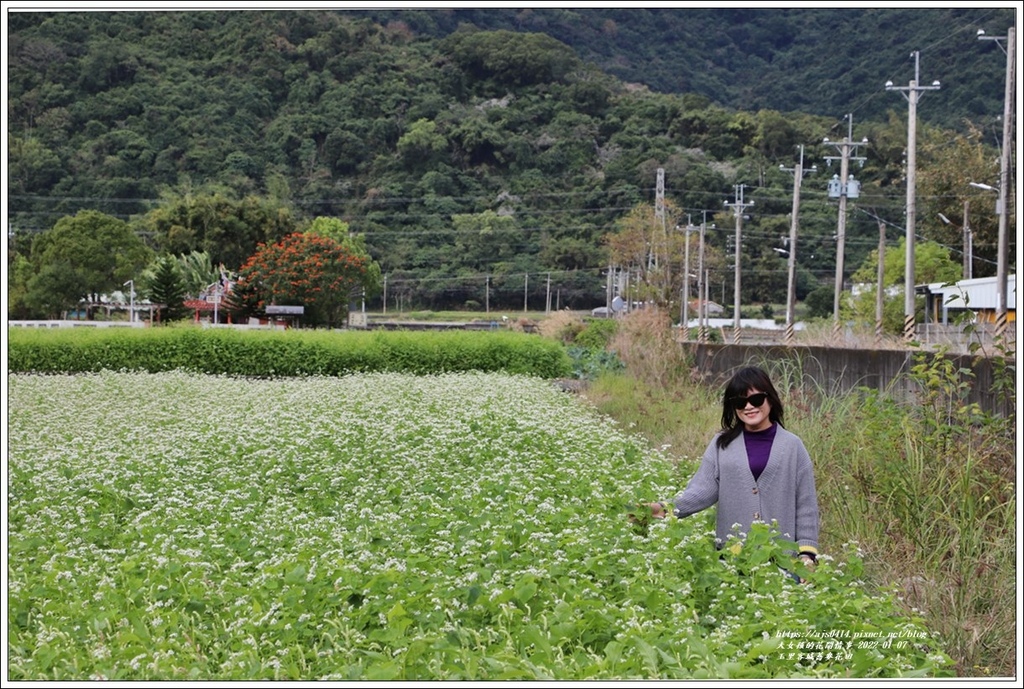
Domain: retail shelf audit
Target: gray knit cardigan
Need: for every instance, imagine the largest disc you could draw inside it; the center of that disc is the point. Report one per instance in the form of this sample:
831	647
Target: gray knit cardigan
784	492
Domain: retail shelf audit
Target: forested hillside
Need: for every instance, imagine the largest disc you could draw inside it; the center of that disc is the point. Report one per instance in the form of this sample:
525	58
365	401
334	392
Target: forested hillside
821	61
482	163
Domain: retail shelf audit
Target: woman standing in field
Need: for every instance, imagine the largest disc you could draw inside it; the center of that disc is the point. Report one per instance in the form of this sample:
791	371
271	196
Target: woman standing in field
754	469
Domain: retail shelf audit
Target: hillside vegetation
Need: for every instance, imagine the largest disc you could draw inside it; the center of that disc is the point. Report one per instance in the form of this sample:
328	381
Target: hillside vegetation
820	61
489	162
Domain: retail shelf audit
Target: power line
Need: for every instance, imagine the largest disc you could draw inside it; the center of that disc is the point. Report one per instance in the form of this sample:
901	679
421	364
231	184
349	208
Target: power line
954	249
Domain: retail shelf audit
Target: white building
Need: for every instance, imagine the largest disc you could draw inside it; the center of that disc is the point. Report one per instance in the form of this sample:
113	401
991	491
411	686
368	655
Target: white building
978	296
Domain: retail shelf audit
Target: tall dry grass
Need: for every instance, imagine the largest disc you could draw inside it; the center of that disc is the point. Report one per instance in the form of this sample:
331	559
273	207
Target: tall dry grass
563	326
645	343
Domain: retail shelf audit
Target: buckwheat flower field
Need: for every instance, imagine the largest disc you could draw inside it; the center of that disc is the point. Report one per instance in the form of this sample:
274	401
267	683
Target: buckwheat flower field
385	526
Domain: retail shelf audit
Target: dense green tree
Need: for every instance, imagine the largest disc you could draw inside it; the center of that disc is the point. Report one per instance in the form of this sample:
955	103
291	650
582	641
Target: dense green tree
332	228
777	136
338	231
213	223
572	253
767	282
944	185
821	302
422	143
54	289
482	238
84	256
166	287
932	263
558	118
19	273
506	59
31	165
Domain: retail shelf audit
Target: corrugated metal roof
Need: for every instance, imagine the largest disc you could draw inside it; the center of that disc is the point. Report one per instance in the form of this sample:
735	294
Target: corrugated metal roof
979	293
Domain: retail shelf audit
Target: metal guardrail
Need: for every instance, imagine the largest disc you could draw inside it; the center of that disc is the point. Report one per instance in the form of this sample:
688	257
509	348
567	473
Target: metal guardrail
77	324
432	325
754	336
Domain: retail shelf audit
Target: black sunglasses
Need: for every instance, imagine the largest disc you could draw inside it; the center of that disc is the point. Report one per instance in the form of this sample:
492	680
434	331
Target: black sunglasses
755	400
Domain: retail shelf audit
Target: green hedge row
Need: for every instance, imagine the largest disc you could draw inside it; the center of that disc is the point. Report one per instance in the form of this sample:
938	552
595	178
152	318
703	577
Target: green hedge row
267	353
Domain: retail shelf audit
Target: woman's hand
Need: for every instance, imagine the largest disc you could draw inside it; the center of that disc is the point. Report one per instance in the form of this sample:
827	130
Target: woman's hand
647	511
658	510
808	562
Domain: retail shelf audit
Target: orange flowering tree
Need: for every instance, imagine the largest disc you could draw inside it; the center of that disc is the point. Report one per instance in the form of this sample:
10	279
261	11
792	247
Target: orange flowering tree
306	269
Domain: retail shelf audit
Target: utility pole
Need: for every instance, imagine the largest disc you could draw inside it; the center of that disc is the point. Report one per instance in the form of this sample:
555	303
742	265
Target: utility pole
684	308
798	173
547	301
385	300
968	245
965	229
913	94
658	236
880	291
625	291
703	335
487	295
844	186
738	206
131	300
608	288
1004	178
702	286
526	293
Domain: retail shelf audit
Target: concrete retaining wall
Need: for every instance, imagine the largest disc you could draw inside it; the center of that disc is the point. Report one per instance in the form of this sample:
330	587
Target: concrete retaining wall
833	370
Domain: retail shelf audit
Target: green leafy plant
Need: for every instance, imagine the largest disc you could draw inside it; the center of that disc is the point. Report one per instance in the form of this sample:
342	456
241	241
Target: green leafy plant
266	353
597	333
464	526
588	364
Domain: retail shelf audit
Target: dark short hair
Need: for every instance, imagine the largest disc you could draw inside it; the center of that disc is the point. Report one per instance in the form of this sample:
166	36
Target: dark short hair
741	381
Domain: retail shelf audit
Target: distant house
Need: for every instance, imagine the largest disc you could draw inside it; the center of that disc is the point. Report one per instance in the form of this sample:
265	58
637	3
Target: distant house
944	301
713	308
200	306
210	298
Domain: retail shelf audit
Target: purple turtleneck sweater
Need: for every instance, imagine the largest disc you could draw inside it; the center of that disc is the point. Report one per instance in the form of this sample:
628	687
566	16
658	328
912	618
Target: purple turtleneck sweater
759	447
